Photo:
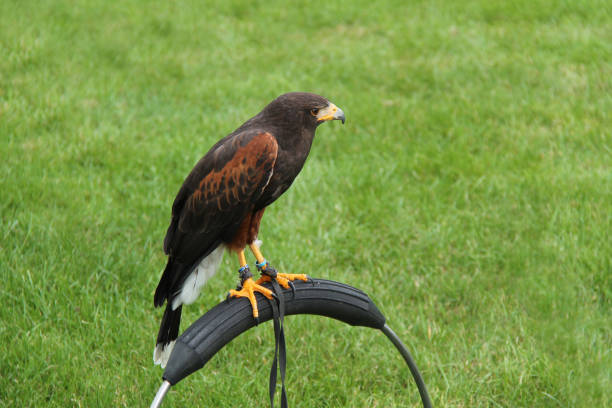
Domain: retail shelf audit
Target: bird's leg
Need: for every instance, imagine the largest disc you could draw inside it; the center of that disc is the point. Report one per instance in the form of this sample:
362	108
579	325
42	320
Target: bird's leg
268	272
248	287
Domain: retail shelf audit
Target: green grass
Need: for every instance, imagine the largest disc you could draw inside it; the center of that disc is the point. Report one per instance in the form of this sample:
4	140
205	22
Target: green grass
469	193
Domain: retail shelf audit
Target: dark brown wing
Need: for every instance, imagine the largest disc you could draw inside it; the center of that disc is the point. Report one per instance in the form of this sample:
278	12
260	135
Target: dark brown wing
220	190
216	196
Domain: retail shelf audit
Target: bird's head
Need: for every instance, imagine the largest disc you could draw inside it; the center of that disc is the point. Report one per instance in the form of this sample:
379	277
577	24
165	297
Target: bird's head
307	109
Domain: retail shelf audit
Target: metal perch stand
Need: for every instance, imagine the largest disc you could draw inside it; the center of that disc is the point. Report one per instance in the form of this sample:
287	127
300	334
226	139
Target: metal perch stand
204	338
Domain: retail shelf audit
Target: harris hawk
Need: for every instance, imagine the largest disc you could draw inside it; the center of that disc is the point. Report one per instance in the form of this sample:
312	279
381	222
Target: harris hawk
222	201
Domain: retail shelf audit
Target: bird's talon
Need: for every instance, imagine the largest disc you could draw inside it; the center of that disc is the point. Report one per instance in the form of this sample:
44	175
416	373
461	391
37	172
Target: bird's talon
263	279
248	291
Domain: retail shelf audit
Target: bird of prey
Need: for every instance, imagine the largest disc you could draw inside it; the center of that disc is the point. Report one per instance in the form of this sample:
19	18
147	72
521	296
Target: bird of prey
222	201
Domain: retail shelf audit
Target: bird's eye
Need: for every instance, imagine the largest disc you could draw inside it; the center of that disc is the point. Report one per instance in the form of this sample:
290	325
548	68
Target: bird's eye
314	112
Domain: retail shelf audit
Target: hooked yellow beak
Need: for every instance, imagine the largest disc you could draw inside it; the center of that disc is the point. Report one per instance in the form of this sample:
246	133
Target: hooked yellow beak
331	112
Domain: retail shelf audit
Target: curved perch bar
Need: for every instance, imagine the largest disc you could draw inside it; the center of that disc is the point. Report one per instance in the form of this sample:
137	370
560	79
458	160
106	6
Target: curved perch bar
204	338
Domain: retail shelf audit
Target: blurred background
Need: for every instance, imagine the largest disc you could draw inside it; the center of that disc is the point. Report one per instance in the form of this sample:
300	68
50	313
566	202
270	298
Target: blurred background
469	194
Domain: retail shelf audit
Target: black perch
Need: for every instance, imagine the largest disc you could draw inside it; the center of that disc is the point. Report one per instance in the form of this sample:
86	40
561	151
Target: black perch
204	338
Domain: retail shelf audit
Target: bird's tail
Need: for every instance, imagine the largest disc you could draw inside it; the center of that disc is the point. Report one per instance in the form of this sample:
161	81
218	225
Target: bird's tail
165	283
168	332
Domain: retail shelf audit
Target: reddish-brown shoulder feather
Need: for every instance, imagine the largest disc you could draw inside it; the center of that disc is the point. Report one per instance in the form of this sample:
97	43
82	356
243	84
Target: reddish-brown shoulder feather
249	168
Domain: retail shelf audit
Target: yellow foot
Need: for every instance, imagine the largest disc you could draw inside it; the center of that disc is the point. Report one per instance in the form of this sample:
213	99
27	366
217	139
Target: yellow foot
248	291
283	279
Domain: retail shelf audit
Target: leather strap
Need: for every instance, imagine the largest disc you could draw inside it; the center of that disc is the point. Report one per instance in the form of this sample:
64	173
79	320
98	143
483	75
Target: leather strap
280	349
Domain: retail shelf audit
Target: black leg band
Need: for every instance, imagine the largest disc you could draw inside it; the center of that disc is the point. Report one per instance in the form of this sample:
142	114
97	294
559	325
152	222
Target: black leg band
270	271
244	273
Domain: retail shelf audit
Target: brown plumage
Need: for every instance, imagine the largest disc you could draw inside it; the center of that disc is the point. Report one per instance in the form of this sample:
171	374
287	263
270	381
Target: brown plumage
222	200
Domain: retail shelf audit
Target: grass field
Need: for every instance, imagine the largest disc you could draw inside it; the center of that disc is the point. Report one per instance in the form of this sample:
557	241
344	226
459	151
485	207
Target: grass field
469	193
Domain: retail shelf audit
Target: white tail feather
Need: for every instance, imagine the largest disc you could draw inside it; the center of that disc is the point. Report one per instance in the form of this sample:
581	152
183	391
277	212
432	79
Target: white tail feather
194	282
162	354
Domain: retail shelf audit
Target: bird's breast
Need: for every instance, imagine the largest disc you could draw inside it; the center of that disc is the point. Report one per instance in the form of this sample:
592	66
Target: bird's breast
284	173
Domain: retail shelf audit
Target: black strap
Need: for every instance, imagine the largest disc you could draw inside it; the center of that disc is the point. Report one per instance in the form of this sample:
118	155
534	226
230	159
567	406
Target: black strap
280	349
